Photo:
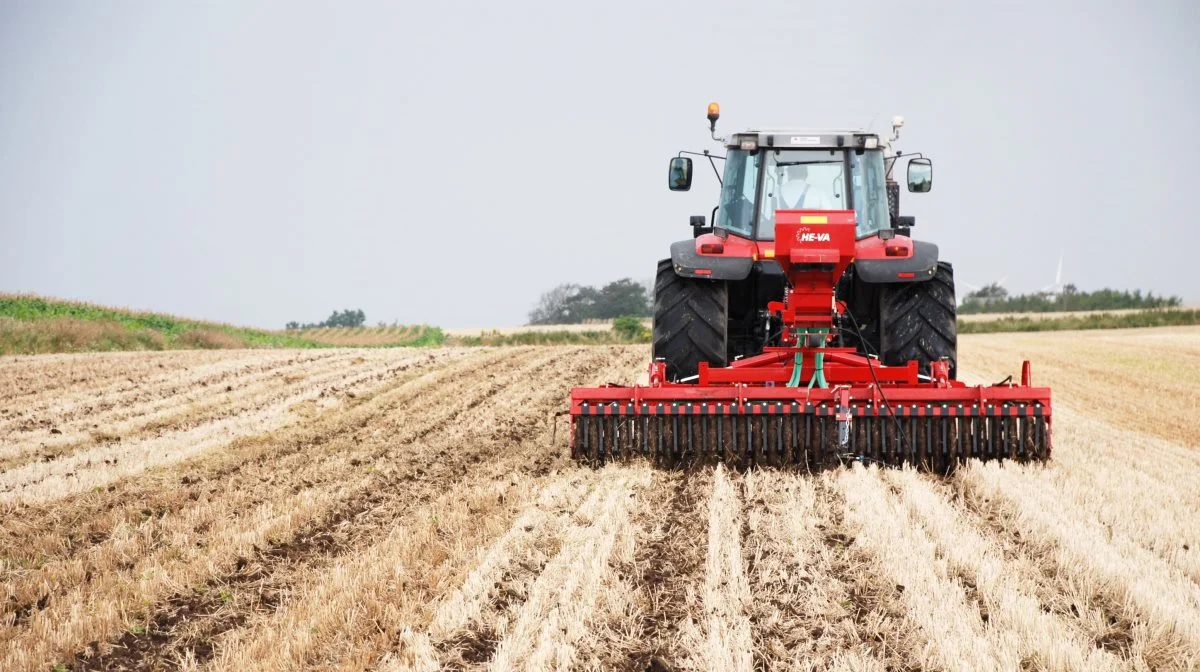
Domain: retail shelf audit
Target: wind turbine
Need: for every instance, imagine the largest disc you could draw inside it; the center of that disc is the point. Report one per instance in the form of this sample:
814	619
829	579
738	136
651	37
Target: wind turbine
1052	291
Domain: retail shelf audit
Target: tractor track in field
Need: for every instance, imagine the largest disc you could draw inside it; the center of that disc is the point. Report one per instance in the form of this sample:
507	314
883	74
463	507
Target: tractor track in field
460	634
1117	633
261	580
1137	584
669	559
869	600
1099	611
634	614
816	591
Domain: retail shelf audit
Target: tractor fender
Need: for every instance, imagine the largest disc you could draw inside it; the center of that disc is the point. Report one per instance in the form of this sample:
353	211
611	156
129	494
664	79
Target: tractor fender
689	263
922	265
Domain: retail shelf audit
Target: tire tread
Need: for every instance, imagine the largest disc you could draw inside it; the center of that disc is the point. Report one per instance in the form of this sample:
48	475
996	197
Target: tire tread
690	322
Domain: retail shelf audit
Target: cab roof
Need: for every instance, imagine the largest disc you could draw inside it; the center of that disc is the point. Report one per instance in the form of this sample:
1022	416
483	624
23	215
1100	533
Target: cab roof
801	138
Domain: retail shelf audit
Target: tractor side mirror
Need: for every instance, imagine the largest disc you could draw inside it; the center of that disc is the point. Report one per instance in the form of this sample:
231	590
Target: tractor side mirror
679	176
920	175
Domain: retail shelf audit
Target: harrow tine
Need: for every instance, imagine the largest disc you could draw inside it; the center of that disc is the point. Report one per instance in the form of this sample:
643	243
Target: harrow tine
581	429
749	429
674	435
790	453
1023	453
780	455
912	430
944	449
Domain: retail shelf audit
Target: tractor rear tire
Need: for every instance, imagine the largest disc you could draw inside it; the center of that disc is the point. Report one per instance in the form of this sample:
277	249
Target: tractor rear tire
919	321
691	322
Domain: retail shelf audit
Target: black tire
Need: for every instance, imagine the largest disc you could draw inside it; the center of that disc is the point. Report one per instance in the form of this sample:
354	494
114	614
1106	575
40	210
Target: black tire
691	322
919	321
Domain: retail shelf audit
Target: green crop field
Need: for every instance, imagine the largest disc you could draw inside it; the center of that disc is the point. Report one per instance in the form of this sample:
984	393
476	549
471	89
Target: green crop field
32	324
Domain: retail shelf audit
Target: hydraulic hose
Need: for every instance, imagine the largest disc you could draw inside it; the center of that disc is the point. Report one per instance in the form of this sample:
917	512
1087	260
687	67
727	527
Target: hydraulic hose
818	378
796	366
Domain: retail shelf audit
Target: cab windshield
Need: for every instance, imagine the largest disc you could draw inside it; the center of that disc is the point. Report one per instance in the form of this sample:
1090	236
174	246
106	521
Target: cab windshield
801	179
793	179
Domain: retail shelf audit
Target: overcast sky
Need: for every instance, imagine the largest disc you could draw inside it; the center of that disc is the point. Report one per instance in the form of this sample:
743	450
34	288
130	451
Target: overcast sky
447	162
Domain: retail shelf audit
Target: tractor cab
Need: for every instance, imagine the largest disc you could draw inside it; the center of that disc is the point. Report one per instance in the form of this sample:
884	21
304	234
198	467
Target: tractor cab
770	170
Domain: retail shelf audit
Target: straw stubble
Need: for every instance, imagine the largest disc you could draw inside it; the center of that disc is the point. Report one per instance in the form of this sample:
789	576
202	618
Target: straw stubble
415	509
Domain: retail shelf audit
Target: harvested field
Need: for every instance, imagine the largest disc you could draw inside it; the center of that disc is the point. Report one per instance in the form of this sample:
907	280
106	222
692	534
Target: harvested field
593	325
414	509
1058	315
359	337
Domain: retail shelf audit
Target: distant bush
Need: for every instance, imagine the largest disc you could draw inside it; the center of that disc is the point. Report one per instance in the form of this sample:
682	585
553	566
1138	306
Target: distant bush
631	328
424	337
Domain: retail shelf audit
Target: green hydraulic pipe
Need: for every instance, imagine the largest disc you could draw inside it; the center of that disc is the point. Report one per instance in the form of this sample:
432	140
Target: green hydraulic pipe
818	378
796	366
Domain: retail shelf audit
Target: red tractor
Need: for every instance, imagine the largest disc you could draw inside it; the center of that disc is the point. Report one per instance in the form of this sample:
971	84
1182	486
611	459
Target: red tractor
711	296
805	328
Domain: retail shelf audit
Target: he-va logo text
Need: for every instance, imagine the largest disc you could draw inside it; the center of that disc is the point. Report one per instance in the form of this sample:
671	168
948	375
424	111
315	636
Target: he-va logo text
812	237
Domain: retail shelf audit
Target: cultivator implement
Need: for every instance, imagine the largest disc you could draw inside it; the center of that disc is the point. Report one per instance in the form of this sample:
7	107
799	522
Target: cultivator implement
806	404
746	424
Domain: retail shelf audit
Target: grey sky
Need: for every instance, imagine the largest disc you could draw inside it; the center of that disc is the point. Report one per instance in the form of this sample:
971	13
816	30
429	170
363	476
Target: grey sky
448	162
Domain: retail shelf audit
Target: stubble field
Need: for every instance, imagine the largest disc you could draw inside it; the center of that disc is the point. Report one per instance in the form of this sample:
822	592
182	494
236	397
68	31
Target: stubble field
416	510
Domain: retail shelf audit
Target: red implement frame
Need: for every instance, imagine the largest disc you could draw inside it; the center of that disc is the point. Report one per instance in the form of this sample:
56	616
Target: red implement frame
814	248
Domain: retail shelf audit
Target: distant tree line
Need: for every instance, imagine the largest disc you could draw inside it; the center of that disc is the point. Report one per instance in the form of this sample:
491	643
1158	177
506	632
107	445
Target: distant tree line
995	299
345	318
573	304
